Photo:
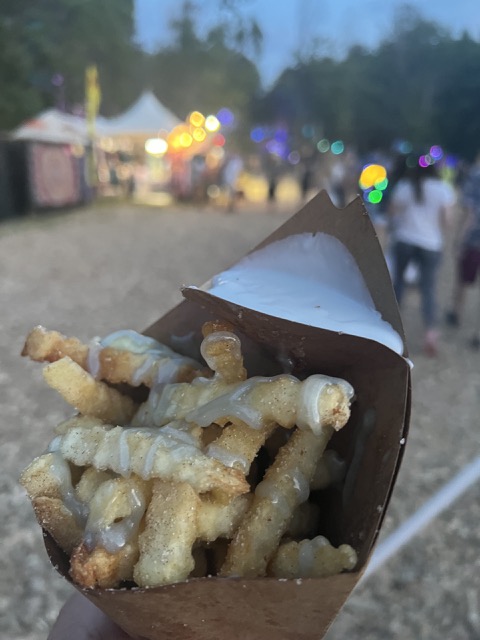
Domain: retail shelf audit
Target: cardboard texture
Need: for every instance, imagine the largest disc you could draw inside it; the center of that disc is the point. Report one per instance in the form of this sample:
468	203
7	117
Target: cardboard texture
372	443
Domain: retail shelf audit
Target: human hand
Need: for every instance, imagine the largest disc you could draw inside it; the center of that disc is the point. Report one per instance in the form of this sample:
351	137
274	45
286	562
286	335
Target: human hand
79	619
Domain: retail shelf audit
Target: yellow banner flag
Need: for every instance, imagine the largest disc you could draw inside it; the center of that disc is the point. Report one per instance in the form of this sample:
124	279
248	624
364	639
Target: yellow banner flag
92	97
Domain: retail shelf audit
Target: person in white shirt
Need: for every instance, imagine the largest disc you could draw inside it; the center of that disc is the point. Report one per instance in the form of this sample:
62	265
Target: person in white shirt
422	206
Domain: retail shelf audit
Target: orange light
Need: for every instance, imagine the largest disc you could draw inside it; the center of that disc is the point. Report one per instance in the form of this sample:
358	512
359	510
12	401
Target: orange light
185	139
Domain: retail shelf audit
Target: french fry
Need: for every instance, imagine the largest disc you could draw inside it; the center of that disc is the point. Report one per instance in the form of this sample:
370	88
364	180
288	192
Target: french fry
169	453
48	483
257	402
158	492
222	352
285	486
89	396
170	532
109	549
217	518
112	364
315	558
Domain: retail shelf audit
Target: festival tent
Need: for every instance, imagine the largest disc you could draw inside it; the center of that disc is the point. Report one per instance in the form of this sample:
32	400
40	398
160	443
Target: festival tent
47	158
53	126
146	118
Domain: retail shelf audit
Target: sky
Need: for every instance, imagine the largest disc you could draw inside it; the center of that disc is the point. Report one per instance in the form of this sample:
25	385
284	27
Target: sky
292	25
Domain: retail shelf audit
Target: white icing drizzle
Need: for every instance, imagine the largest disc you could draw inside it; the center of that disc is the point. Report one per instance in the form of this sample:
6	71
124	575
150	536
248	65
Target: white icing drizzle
268	490
180	444
61	470
93	358
227	458
129	340
308	408
232	404
115	535
300	484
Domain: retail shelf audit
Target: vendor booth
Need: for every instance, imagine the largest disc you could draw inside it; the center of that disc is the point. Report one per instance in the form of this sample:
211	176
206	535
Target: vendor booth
47	156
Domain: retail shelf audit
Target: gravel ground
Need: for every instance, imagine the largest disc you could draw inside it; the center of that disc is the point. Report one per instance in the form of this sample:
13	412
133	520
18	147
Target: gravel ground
92	271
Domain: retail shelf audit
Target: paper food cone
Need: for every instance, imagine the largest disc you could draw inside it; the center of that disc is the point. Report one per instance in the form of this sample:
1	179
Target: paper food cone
372	444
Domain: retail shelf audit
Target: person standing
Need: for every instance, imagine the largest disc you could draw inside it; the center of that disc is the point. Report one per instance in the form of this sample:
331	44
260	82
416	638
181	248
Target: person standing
422	208
468	258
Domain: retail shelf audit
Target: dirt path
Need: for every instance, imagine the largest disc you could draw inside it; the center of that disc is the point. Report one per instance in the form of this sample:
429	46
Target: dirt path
89	272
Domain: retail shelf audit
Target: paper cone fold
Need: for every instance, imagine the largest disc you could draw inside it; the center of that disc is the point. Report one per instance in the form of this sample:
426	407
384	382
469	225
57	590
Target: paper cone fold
372	444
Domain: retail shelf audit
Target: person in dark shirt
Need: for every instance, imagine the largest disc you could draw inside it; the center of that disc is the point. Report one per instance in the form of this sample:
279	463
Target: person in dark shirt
468	259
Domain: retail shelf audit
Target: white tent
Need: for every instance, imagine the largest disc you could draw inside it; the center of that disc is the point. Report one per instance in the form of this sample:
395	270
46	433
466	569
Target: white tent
53	126
146	117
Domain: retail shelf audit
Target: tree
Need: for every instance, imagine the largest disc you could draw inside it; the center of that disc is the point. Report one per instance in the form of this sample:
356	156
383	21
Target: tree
59	38
203	74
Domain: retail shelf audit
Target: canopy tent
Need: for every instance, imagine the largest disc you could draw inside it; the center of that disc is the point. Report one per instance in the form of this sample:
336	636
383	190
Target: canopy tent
145	118
55	127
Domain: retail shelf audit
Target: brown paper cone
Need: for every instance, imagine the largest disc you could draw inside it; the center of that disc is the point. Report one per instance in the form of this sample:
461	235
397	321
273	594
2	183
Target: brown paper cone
371	443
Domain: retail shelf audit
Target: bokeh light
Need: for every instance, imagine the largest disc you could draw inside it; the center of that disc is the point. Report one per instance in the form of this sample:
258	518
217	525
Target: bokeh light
436	152
185	139
375	196
219	140
294	157
156	146
212	124
323	145
337	147
199	134
257	134
225	117
372	174
308	131
196	119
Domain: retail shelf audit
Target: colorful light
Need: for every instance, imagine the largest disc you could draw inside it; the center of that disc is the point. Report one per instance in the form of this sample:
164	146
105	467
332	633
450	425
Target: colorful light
337	147
323	145
219	140
225	117
196	119
308	131
375	196
371	175
436	152
257	134
199	134
423	162
185	139
212	124
381	185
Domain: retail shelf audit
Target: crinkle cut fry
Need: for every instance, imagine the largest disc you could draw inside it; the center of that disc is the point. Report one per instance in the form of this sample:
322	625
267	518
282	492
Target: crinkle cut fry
222	352
284	487
315	558
283	399
217	518
238	444
129	450
170	531
115	365
89	396
107	554
46	489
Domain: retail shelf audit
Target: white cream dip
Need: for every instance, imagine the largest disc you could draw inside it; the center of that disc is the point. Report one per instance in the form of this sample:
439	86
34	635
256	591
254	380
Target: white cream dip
311	279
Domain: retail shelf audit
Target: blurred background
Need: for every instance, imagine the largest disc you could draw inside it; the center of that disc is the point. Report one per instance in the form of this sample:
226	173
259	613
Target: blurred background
129	127
153	100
